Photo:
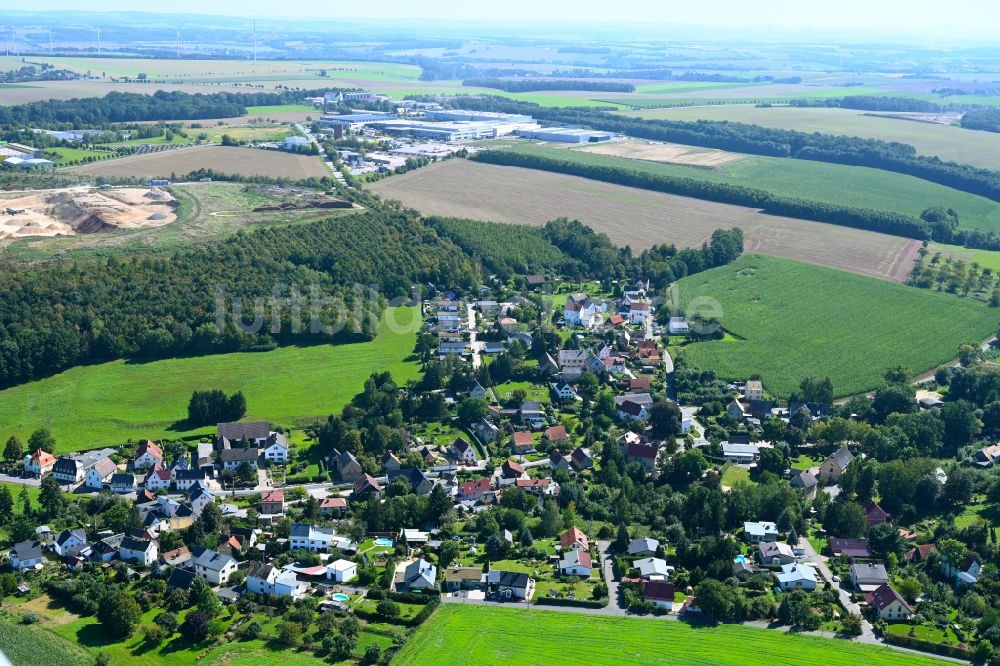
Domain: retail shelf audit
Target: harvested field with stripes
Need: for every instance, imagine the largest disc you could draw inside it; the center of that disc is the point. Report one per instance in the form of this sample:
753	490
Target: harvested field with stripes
223	159
639	218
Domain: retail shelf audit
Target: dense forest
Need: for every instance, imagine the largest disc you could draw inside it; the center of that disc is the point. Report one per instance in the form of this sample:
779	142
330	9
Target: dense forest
873	103
571	248
120	107
860	218
55	316
535	84
986	119
757	140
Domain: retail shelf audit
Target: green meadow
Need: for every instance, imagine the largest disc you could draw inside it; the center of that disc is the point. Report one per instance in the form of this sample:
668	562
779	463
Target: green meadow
461	634
91	406
789	320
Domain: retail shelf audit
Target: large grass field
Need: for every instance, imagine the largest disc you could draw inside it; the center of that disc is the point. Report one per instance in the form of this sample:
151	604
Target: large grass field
638	218
223	159
805	179
460	634
790	320
91	406
946	141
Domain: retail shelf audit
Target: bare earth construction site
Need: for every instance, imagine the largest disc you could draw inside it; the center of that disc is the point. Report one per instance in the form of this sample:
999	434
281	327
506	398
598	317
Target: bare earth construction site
83	210
639	218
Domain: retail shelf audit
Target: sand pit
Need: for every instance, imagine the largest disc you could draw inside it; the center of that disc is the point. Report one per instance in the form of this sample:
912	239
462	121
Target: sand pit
654	151
80	210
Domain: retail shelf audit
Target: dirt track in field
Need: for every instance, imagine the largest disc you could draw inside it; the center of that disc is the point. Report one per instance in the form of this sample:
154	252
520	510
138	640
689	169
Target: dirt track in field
639	218
223	159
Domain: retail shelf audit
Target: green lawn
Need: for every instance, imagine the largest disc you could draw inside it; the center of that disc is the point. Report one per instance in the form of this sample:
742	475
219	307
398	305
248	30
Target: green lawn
804	179
985	258
30	645
91	406
460	634
791	320
733	474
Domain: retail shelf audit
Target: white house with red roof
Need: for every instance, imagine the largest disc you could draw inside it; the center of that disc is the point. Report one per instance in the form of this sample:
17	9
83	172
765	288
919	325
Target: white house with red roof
39	463
576	563
574	539
889	604
158	478
147	455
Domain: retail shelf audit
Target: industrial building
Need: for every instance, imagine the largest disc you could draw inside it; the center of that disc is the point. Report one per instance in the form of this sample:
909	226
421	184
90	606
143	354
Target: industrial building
458	131
567	135
353	121
484	116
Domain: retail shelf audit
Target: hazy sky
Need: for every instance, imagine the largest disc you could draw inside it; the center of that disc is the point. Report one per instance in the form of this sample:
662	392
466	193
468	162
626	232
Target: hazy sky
924	15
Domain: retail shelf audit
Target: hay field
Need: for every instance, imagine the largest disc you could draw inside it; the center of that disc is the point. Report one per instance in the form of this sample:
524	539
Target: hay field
224	159
947	142
656	151
639	218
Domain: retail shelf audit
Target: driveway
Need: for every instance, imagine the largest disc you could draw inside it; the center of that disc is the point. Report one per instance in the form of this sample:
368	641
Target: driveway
819	561
614	606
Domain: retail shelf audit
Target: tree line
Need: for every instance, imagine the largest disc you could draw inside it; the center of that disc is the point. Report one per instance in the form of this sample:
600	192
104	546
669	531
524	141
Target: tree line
535	84
55	316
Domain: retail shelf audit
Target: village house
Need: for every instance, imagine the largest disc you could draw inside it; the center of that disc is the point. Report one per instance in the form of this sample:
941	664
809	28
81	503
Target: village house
531	412
740	454
576	563
678	326
735	409
272	502
474	490
158	478
420	483
511	470
147	455
26	555
69	539
867	576
463	452
198	497
806	483
417	575
311	538
457	579
556	435
348	467
643	547
510	585
580	459
835	465
179	557
123	483
774	553
633	406
68	470
753	390
521	443
212	567
574	539
874	514
659	594
341	571
365	488
39	463
139	551
275	449
796	576
652	568
888	604
184	479
965	574
332	507
557	461
100	474
231	435
851	548
485	431
987	456
233	458
760	532
564	391
269	580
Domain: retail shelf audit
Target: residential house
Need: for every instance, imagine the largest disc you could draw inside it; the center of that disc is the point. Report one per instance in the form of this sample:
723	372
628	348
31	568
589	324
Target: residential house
198	497
576	563
26	555
485	431
184	479
805	482
147	455
69	539
268	580
531	412
874	514
180	579
511	470
272	502
419	482
867	576
774	553
178	557
659	594
643	547
213	567
735	409
457	579
107	548
123	483
233	458
100	474
311	538
158	478
796	576
640	452
521	443
580	314
275	449
889	604
510	585
547	365
919	553
653	568
541	488
341	571
574	539
633	406
140	551
463	452
835	465
39	463
390	462
253	433
580	459
987	456
474	489
965	574
365	488
740	454
638	311
348	467
852	548
558	461
759	532
760	409
556	435
68	470
564	392
754	390
332	507
180	463
417	575
678	326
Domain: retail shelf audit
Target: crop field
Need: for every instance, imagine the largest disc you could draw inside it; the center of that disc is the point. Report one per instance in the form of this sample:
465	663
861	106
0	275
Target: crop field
789	321
461	634
639	218
672	153
805	179
91	406
29	645
946	141
223	159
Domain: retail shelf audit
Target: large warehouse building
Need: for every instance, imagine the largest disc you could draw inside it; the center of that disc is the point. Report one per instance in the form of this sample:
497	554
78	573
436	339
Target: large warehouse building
567	135
483	116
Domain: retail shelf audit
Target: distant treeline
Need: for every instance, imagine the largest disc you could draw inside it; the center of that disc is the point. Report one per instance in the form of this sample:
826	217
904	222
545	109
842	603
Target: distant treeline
533	84
986	119
567	247
120	107
55	316
873	103
757	140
